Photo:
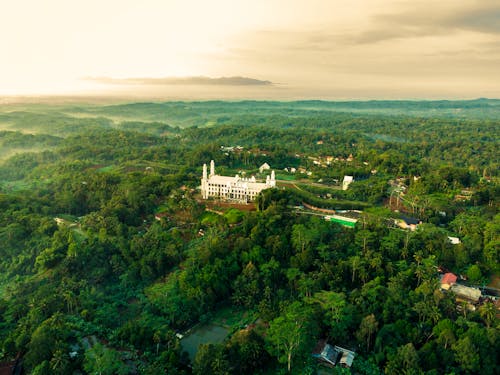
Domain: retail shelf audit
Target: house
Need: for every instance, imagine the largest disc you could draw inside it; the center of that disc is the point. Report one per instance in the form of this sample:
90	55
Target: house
59	221
406	222
346	182
325	353
342	220
333	355
466	293
264	167
447	280
347	356
454	240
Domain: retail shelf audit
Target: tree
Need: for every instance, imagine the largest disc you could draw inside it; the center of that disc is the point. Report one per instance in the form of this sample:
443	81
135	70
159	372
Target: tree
367	329
488	312
291	334
474	273
466	354
43	368
364	239
246	286
427	311
210	359
355	262
49	338
246	351
104	361
444	331
60	362
404	361
335	308
301	237
332	302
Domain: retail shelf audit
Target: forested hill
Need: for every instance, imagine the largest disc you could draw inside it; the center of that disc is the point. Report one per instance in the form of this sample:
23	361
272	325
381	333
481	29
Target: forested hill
201	113
111	263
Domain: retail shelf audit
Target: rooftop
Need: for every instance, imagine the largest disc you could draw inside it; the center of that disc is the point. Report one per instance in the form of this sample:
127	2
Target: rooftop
449	278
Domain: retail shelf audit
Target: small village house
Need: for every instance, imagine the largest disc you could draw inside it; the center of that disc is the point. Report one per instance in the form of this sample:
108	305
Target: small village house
333	355
264	167
346	182
447	280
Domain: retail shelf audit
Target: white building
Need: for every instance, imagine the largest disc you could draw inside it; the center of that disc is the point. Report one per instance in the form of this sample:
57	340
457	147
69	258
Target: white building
347	181
264	167
232	188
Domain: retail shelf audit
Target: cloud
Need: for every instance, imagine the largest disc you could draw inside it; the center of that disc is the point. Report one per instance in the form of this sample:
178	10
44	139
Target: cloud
485	20
472	19
169	81
431	19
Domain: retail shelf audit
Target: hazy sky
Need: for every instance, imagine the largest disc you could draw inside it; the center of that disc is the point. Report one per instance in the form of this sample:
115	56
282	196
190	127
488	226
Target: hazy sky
331	49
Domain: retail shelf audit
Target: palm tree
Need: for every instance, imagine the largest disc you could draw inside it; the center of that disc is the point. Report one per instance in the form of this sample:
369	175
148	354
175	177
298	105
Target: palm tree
488	313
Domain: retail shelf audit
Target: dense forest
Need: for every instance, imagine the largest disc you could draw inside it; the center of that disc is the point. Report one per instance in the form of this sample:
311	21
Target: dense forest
110	260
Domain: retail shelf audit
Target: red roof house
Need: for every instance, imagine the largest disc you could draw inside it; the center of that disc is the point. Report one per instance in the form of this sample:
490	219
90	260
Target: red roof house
448	280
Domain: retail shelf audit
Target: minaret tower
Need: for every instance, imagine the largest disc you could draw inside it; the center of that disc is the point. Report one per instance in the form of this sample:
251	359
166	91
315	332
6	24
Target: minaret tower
212	168
204	183
273	179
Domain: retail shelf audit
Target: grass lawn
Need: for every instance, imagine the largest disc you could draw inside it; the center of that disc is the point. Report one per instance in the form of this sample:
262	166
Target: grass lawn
285	176
107	168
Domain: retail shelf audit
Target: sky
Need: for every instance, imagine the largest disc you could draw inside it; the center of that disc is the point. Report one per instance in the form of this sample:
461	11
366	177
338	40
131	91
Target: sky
263	49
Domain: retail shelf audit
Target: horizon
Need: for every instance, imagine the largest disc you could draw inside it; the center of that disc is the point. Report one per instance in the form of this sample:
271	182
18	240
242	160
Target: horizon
92	98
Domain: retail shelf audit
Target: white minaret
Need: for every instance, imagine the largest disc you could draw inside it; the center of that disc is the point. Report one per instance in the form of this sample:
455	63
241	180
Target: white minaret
273	179
212	168
204	183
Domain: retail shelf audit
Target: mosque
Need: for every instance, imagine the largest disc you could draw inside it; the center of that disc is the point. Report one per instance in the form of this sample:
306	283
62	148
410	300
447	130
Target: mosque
232	188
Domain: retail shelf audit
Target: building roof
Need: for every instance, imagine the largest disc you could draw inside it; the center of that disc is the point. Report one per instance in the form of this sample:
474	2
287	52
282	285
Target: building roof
348	179
449	278
346	221
333	355
347	356
466	292
410	220
216	179
326	353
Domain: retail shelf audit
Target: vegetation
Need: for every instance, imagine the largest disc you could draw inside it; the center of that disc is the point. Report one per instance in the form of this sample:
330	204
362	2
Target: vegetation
108	253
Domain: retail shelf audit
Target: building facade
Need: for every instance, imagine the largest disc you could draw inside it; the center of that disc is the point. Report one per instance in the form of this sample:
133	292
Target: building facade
232	188
346	182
